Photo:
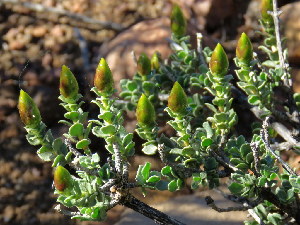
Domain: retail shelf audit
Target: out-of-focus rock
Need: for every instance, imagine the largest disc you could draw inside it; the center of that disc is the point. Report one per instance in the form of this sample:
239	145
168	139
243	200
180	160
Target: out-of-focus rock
147	36
291	24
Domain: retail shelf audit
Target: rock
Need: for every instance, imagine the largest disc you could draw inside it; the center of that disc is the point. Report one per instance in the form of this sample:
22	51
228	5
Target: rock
8	213
147	36
291	24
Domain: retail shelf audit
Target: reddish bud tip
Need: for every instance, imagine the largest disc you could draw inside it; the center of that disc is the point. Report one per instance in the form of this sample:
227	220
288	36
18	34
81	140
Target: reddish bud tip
145	112
29	112
177	100
143	65
178	22
244	49
68	85
103	79
218	63
62	178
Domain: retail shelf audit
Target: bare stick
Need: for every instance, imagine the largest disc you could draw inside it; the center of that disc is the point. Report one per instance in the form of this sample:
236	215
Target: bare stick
199	49
72	16
275	14
255	149
211	203
265	139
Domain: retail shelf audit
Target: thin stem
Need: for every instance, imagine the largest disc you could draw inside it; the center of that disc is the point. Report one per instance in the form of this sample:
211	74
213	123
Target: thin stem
159	217
275	14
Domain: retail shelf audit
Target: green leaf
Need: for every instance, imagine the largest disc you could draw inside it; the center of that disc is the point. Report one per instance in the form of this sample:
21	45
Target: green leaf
45	153
107	116
76	130
72	115
166	171
109	129
153	179
206	142
146	171
242	166
150	149
172	186
275	218
127	139
83	143
262	181
236	161
208	129
211	107
235	188
131	85
245	149
162	185
59	147
210	164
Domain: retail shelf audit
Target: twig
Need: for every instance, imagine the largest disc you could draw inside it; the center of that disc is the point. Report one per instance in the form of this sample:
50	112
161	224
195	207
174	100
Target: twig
265	139
255	149
90	23
199	49
159	217
66	212
222	161
73	150
211	203
118	160
275	14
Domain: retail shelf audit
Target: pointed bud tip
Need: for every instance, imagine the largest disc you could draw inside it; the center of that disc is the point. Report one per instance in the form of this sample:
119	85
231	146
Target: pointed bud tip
218	63
145	112
177	100
29	113
155	61
178	21
266	5
103	79
244	49
68	86
143	65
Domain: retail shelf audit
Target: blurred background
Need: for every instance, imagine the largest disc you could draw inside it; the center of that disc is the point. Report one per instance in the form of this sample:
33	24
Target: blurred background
37	37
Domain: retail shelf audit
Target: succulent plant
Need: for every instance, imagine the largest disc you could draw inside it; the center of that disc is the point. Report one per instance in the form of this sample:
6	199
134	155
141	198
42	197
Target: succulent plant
266	5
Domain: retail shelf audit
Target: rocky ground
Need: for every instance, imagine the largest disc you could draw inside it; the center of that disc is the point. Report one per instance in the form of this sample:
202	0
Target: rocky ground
35	45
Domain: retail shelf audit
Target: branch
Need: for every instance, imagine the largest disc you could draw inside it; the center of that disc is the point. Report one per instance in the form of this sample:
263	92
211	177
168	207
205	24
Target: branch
89	23
159	217
255	149
211	203
265	138
275	14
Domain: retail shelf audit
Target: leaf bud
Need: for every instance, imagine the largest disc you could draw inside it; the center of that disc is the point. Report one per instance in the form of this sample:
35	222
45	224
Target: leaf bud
155	61
178	21
244	49
177	100
103	79
218	63
143	65
62	178
266	5
68	86
29	112
145	112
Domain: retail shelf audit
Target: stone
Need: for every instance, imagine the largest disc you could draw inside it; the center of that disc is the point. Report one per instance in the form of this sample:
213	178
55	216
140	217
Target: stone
147	36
